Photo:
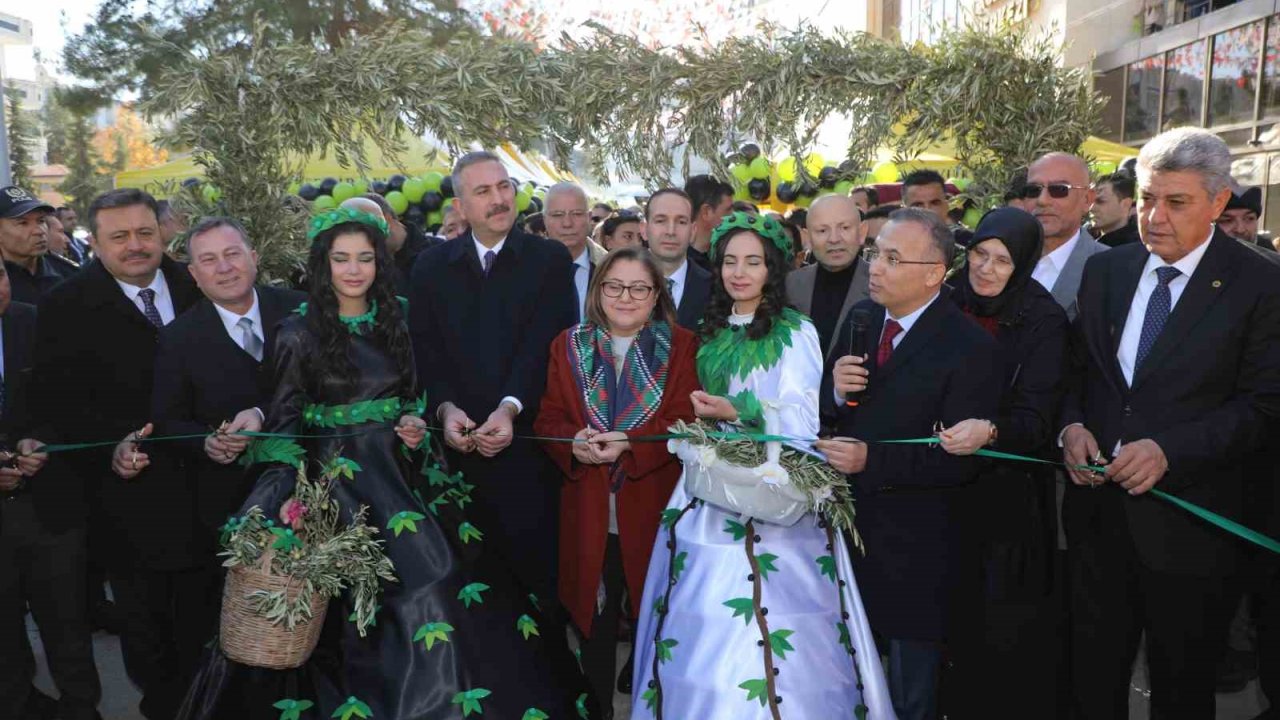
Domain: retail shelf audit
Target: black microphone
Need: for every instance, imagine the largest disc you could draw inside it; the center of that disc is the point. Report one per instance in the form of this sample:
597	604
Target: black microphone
860	319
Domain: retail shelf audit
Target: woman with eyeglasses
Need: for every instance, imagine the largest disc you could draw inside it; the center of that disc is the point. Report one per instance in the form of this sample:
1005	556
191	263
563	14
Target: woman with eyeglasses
1010	654
626	371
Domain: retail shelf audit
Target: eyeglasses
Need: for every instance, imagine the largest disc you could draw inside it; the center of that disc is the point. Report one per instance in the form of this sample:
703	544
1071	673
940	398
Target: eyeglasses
870	255
978	256
560	214
637	292
1031	191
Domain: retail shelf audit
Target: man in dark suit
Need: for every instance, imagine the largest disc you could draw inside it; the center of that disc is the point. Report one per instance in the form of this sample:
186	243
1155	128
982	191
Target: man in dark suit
1175	377
567	221
95	355
927	364
211	368
1113	209
668	229
1059	192
828	289
712	199
43	569
484	310
927	190
24	240
79	249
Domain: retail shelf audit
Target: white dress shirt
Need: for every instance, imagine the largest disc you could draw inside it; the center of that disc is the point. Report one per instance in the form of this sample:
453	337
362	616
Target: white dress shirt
581	274
677	279
1050	266
164	303
230	321
906	321
481	251
1127	354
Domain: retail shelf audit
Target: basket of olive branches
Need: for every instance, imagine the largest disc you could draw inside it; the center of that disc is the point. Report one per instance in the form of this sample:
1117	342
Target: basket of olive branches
283	572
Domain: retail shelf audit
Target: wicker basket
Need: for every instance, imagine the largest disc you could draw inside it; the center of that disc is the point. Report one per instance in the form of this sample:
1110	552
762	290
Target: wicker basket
251	639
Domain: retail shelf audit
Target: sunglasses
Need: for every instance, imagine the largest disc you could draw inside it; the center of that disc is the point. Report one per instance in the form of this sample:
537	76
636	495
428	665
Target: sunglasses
1031	191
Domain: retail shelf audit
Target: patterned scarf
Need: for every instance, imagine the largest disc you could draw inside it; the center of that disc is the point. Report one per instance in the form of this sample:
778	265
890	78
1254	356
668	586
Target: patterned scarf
625	402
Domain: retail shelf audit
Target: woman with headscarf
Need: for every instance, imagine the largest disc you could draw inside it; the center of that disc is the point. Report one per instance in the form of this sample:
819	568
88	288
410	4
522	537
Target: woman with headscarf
1010	655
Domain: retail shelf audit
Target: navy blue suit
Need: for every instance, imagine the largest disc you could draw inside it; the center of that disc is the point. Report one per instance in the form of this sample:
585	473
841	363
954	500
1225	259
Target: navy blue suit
477	340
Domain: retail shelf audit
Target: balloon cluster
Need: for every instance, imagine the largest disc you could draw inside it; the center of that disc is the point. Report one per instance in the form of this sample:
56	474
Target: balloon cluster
782	184
418	200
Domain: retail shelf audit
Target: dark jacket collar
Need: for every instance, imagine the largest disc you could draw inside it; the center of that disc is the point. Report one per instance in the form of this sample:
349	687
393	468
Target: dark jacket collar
102	288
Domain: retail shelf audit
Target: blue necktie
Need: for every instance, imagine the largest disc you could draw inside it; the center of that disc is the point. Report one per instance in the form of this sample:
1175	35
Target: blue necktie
489	257
1158	308
149	306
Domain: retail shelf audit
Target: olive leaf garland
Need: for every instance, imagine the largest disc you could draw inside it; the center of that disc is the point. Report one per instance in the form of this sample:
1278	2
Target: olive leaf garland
292	709
731	354
470	701
352	708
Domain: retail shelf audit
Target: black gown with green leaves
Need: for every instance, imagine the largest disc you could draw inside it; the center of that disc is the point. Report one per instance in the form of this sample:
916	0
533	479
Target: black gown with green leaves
454	637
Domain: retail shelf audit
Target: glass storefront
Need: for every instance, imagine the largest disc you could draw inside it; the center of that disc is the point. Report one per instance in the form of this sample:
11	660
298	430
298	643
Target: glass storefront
1183	86
1142	99
1233	85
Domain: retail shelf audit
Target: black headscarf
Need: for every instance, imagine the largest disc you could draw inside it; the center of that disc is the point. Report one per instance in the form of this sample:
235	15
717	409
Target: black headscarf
1023	237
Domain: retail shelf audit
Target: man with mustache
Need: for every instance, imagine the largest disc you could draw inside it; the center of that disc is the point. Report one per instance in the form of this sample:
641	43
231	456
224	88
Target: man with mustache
483	310
1058	185
92	379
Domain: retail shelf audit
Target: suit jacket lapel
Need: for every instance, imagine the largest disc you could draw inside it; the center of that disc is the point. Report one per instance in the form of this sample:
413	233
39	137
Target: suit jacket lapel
806	279
1120	291
1203	288
925	327
1068	282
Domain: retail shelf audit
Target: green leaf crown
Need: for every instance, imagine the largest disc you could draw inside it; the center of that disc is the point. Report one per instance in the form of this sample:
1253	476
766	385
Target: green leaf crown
763	225
339	216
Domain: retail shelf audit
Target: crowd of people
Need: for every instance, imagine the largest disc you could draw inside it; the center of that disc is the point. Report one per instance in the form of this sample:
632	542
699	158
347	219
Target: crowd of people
1122	332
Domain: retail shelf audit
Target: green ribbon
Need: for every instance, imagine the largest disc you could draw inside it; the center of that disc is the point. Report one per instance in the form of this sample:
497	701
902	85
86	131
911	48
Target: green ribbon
1224	523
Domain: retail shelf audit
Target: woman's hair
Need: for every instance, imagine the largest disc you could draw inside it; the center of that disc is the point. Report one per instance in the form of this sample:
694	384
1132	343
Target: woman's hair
615	221
331	368
773	295
664	309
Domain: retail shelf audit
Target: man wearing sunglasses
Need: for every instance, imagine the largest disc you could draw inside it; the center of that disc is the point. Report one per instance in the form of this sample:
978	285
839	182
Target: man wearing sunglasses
1058	185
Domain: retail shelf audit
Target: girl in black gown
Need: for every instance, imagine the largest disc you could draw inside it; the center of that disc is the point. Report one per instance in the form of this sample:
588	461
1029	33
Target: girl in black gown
346	346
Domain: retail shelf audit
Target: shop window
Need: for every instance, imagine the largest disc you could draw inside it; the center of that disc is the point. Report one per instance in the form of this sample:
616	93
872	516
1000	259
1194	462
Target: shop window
1183	86
1142	99
1233	84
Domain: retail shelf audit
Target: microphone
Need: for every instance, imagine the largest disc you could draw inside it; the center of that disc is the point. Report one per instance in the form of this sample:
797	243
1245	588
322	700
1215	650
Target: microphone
860	319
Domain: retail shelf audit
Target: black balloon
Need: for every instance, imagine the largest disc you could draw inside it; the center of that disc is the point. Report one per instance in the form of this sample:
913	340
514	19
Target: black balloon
827	177
396	182
379	187
750	151
415	216
849	167
446	186
327	185
786	192
431	202
308	192
191	183
806	188
759	189
535	204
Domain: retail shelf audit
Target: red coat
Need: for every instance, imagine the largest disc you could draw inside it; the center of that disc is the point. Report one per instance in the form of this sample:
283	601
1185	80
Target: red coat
651	474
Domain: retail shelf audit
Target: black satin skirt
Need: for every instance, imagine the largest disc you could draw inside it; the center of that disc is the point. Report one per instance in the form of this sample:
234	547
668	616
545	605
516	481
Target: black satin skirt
503	653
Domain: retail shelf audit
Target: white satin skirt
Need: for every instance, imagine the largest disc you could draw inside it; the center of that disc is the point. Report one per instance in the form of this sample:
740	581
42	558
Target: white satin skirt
707	648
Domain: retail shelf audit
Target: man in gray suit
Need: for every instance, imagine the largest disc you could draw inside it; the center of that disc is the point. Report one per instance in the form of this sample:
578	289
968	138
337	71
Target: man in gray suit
827	289
1058	184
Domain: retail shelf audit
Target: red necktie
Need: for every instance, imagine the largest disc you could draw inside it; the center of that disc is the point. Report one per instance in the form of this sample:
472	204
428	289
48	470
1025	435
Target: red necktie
891	331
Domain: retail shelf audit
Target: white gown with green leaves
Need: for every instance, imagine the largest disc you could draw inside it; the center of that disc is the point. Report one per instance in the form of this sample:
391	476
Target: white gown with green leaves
721	586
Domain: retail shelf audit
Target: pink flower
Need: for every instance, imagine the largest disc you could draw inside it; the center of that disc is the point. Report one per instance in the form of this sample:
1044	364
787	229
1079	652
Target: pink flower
292	512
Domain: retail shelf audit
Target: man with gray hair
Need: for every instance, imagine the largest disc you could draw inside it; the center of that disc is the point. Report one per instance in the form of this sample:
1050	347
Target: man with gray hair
1173	384
483	309
567	221
925	363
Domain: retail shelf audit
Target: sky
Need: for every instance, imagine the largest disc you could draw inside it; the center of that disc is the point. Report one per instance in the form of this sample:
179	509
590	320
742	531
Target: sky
46	18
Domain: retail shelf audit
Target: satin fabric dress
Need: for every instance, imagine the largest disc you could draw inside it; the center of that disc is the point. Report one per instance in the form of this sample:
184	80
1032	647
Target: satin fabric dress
398	678
716	649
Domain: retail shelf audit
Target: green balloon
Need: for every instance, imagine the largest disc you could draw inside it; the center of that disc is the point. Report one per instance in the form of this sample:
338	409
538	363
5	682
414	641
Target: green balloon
759	168
432	180
971	217
211	193
398	201
523	199
844	187
540	192
741	173
414	189
361	186
804	201
343	191
325	202
294	187
435	217
742	193
961	183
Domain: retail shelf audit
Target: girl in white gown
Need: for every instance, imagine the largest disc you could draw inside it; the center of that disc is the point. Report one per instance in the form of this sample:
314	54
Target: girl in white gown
744	618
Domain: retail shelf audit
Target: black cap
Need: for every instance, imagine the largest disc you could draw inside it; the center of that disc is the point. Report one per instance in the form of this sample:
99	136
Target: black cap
1246	199
16	202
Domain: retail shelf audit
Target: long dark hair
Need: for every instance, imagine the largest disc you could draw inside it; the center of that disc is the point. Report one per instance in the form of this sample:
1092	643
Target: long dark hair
772	301
332	370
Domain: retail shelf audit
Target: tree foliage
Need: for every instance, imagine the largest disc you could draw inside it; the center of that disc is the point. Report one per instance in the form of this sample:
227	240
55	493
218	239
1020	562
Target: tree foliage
997	94
128	143
85	177
22	134
128	45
